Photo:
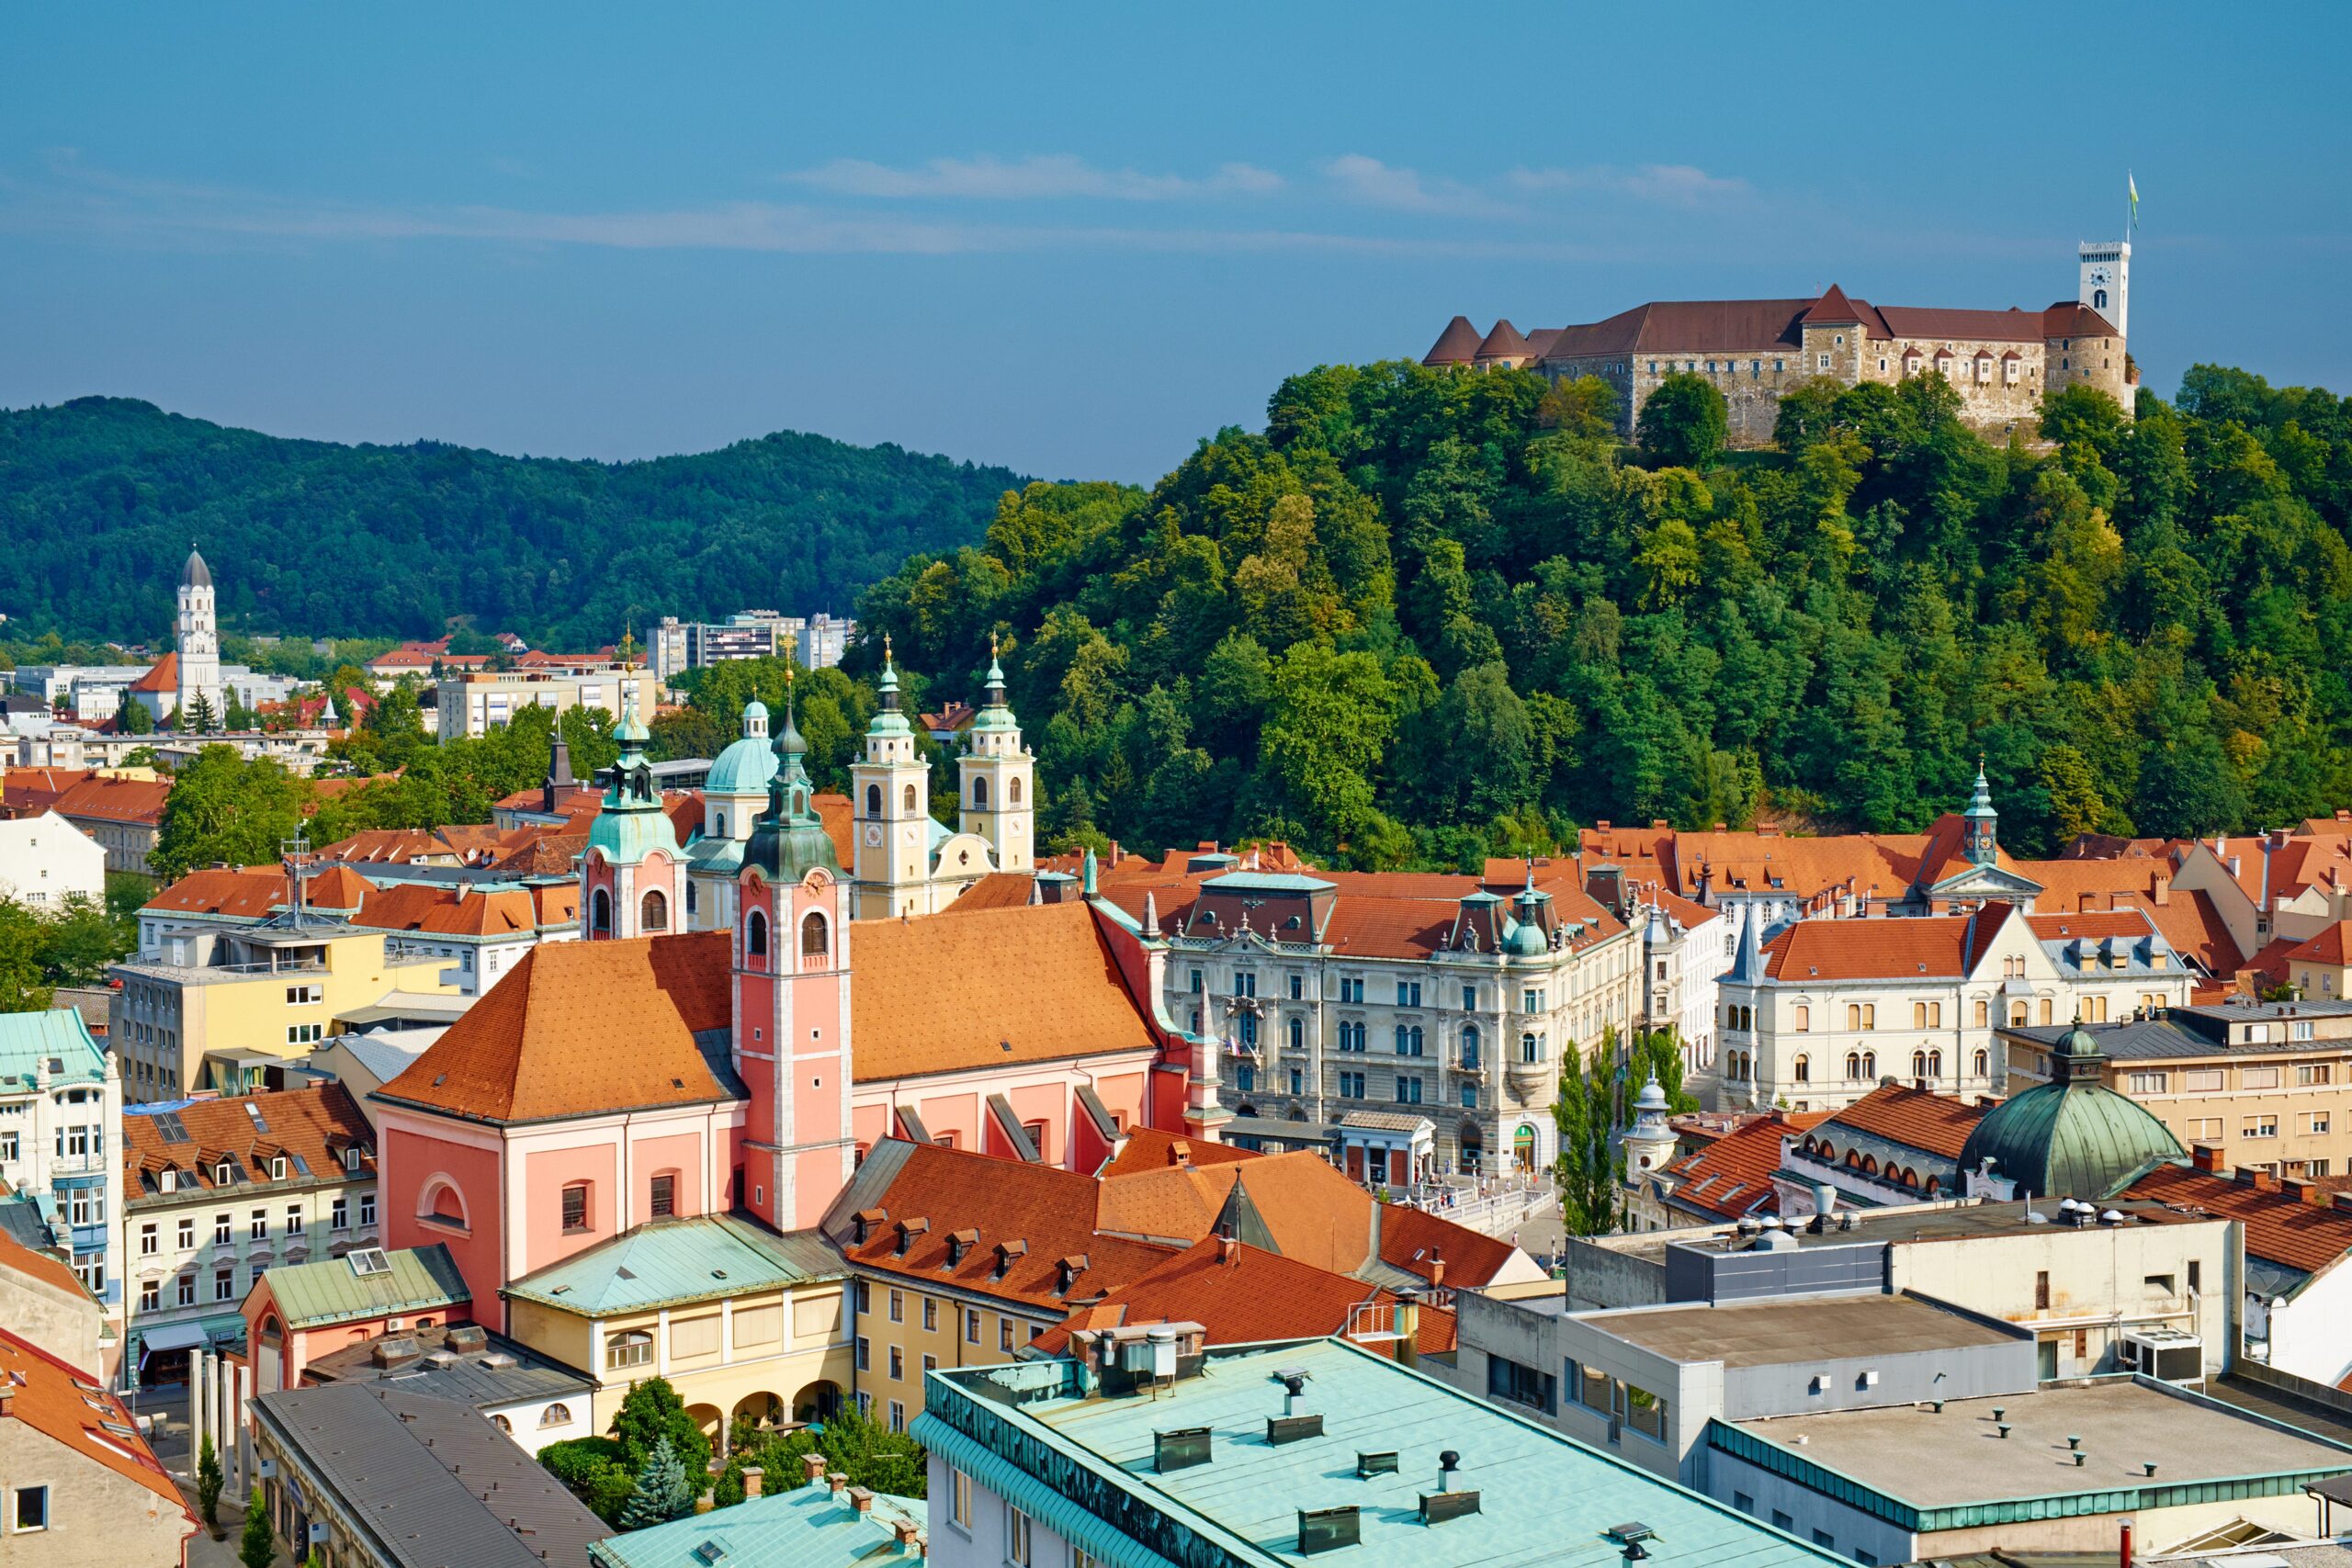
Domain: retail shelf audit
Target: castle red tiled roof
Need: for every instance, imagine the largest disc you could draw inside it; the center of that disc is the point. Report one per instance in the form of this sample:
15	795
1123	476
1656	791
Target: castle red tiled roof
1457	344
2278	1229
1733	1175
1502	342
1241	1295
449	911
581	1028
54	1400
1935	1124
1419	1242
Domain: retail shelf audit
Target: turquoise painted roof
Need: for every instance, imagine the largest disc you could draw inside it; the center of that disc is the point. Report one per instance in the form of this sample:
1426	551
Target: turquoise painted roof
30	1040
663	1262
626	837
744	768
330	1291
1544	1498
808	1527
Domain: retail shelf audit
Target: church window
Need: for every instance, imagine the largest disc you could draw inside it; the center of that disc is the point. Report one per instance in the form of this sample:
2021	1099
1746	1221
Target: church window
1778	365
873	800
655	912
813	936
909	797
1881	366
1838	338
600	912
755	935
1012	792
690	909
722	824
981	794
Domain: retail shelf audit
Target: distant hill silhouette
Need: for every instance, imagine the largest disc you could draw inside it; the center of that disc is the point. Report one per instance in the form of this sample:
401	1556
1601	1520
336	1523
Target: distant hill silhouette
101	497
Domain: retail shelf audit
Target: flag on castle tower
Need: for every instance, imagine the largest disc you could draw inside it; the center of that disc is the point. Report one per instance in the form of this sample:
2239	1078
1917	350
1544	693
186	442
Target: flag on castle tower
2133	186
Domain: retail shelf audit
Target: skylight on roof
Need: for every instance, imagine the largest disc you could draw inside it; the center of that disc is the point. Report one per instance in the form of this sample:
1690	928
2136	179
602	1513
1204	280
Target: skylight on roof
261	1124
368	1260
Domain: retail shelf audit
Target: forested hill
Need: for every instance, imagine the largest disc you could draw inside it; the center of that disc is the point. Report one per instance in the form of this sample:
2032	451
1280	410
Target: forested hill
1428	615
100	498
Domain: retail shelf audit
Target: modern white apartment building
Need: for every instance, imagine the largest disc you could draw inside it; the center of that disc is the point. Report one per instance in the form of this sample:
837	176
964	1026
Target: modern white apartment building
477	702
45	860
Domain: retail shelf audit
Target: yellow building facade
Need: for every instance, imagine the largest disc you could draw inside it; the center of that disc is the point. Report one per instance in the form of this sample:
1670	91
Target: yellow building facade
745	1323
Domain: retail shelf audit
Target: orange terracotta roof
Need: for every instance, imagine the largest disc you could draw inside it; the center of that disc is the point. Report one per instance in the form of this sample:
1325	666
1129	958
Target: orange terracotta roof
316	1124
2189	919
2278	1229
835	811
1733	1175
1047	1211
2093	926
1418	1241
2270	963
1148	1148
116	799
18	1258
940	995
251	892
54	1400
578	1028
2326	827
558	904
164	675
1247	1295
449	911
997	890
2332	945
1936	1123
28	792
1942	945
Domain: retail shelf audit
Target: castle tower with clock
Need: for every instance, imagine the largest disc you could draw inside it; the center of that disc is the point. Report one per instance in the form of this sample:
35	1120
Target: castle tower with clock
2106	282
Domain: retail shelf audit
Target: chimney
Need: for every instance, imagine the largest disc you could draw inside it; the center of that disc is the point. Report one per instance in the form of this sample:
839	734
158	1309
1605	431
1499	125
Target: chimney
906	1530
1179	1152
812	1469
2123	1553
754	1476
7	1402
836	1481
1437	1266
2302	1191
1409	1327
2163	890
2206	1158
1225	1249
862	1499
2259	1179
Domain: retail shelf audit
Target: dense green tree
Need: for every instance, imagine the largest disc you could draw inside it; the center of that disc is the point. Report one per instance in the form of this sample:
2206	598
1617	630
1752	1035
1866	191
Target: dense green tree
224	809
1590	1169
1684	423
661	1493
257	1548
24	987
593	1471
651	1412
208	1482
870	1453
133	716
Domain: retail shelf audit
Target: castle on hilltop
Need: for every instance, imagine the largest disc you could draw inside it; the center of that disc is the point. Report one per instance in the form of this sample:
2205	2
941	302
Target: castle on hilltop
1756	351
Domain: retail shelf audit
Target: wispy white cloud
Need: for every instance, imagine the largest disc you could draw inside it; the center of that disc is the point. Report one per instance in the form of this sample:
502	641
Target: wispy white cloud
86	201
1372	183
1059	175
1665	184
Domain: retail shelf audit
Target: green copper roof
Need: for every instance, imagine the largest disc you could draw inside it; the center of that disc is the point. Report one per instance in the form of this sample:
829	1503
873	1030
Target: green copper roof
887	719
333	1291
663	1262
807	1527
747	764
2073	1140
790	840
632	823
30	1041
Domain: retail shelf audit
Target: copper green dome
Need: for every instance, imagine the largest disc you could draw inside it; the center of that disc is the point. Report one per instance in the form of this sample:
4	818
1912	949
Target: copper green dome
747	764
2073	1136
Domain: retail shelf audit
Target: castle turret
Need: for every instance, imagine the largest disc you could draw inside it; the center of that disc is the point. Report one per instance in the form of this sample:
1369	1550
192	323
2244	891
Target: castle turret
998	779
1979	833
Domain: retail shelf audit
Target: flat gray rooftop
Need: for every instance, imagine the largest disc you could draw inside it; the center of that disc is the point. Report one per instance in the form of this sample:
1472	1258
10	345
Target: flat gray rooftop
1932	1460
1874	1227
1776	1330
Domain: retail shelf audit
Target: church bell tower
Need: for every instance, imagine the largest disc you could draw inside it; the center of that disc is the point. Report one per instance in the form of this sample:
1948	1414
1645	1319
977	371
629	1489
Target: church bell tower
890	810
998	778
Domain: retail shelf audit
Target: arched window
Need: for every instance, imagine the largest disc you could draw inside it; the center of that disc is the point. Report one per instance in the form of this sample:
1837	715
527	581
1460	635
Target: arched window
1870	1164
1981	1065
444	1203
502	1424
653	912
813	936
634	1348
1531	1048
1934	1184
1298	1034
1012	792
1853	1064
1803	1018
909	797
1469	1045
1935	1064
600	912
721	819
1869	1063
873	800
1828	1152
1918	1015
980	793
1802	1068
1983	1013
1853	1015
755	934
556	1415
1919	1063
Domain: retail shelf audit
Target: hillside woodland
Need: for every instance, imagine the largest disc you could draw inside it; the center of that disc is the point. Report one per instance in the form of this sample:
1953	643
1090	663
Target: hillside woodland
100	498
1424	616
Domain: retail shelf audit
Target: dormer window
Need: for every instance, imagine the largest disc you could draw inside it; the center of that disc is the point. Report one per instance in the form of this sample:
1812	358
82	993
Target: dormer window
277	1168
908	1231
169	1181
223	1173
351	1157
866	1221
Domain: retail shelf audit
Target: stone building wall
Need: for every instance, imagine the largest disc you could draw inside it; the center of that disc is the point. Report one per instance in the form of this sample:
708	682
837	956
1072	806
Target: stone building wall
2093	361
1752	384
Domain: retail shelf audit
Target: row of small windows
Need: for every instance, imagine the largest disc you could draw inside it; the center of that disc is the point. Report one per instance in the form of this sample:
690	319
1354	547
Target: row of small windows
1863	1065
815	942
1924	1015
907	797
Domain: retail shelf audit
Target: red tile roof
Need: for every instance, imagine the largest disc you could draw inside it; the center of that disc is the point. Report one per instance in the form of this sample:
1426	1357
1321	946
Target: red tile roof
316	1124
1457	344
1046	1213
116	799
997	966
2332	945
1935	1124
164	675
52	1399
1945	946
16	1257
1148	1148
1733	1175
1242	1294
580	1028
449	911
2278	1229
1419	1242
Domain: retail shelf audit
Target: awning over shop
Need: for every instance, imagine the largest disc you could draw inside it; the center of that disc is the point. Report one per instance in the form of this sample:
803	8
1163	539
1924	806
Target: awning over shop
173	1336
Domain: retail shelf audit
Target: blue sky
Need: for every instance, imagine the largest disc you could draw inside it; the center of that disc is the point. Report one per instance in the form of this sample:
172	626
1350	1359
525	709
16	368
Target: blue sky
1076	239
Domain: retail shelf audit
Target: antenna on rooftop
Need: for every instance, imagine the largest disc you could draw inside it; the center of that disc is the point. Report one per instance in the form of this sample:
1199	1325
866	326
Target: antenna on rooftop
295	855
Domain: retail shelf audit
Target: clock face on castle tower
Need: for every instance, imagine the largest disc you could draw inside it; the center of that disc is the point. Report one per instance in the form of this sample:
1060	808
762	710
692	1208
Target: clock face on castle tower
2099	277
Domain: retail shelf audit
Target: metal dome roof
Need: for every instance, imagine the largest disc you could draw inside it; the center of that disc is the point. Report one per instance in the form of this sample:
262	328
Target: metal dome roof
743	768
2076	1138
196	574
